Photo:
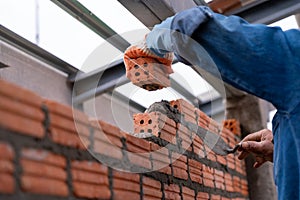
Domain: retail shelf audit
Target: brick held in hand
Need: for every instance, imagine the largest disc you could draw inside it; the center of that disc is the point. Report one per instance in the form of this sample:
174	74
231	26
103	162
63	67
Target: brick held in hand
148	74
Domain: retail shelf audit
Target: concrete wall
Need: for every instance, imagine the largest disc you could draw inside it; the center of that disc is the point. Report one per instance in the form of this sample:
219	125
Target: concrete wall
30	73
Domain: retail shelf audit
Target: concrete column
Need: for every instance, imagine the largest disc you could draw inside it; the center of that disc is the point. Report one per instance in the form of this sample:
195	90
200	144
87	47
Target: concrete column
297	16
247	109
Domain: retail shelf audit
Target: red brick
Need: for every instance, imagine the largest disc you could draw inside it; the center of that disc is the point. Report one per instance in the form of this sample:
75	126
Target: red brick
211	156
180	173
172	192
91	191
151	75
137	145
7	183
233	125
126	185
160	158
121	195
179	160
67	124
43	156
195	170
188	193
6	166
7	152
89	177
215	197
20	108
179	165
236	184
40	185
202	196
161	167
19	94
221	159
131	177
196	178
89	166
42	170
167	137
160	125
107	149
21	124
220	185
140	160
66	111
150	192
108	138
186	109
151	182
108	133
66	138
208	176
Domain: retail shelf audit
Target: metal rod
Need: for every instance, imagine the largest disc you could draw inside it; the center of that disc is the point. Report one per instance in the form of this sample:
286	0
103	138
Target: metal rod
21	43
86	17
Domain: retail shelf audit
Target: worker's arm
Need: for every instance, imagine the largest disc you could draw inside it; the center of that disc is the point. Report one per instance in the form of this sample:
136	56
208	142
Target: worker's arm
261	60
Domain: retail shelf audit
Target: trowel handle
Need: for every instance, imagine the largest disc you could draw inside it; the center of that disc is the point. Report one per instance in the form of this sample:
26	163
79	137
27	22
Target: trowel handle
234	149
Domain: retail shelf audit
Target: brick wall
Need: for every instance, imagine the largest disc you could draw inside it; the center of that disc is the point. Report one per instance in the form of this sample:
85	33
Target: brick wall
50	151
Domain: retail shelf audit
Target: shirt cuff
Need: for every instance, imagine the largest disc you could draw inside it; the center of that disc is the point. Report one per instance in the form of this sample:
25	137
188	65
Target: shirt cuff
159	39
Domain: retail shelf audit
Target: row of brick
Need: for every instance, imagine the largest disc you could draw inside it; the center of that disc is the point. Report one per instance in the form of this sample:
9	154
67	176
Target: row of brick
46	173
178	134
69	127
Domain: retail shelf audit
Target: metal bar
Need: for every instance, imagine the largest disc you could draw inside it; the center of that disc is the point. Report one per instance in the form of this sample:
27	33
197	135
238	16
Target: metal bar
89	81
128	101
85	16
21	43
213	107
270	11
98	90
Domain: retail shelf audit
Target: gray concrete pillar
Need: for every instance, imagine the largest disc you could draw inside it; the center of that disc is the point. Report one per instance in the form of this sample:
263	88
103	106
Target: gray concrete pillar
247	109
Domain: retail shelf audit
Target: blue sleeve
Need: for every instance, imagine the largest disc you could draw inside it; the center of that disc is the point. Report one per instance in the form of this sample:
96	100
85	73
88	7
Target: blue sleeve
261	60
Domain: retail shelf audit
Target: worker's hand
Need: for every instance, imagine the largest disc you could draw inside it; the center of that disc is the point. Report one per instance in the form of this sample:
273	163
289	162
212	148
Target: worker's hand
260	144
141	50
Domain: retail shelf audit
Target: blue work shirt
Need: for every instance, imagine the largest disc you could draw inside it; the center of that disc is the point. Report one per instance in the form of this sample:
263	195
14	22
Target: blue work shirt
261	60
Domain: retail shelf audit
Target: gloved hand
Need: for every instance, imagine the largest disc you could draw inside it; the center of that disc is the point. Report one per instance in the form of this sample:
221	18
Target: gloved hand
260	144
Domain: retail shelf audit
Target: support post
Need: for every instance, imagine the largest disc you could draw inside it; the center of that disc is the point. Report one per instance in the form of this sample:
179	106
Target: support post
246	108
